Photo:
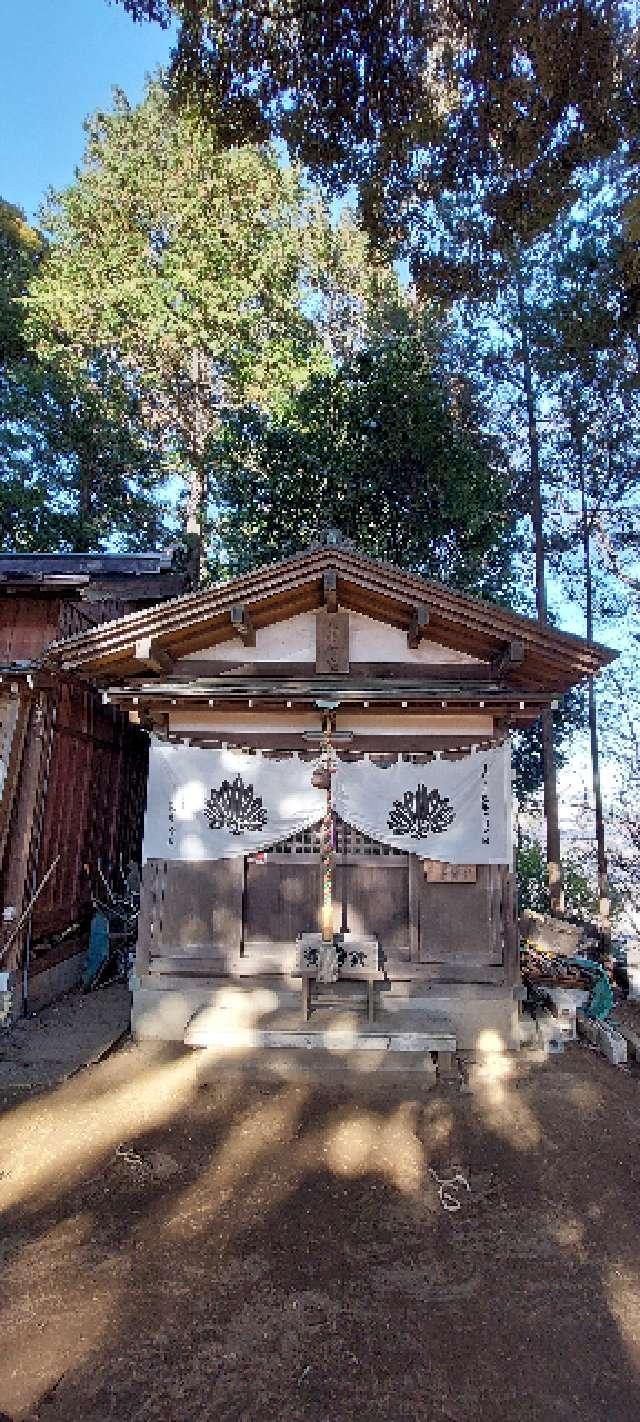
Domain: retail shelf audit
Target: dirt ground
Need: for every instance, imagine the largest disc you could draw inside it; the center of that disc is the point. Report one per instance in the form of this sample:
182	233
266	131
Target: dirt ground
279	1248
50	1045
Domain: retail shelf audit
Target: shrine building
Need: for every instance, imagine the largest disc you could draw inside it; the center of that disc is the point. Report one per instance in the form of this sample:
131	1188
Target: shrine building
328	846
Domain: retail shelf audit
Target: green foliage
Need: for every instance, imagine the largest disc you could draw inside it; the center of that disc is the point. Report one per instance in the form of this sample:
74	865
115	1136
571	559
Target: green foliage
581	902
75	459
21	248
526	755
163	247
78	469
199	278
491	108
382	450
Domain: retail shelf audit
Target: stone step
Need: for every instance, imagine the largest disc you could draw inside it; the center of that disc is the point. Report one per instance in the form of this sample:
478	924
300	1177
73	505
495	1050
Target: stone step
164	1003
179	965
289	1064
334	1030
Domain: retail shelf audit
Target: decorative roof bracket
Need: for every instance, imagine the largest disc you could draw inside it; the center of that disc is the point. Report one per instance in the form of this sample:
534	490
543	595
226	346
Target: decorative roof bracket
149	651
242	625
511	655
418	626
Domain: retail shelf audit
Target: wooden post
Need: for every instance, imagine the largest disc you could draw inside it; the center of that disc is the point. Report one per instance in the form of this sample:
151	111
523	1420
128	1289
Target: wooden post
327	841
416	873
27	809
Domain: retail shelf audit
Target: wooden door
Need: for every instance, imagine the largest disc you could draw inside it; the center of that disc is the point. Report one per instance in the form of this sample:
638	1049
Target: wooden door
282	898
371	897
462	927
283	891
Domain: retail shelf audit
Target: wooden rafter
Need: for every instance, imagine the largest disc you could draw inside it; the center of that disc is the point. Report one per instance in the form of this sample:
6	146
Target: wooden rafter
242	625
509	657
151	654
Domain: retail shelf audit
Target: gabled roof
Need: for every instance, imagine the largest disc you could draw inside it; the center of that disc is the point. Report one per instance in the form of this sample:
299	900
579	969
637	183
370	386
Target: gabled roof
553	661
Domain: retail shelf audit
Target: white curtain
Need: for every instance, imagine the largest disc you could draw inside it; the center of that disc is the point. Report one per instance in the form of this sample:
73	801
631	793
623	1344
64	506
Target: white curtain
458	811
217	804
210	804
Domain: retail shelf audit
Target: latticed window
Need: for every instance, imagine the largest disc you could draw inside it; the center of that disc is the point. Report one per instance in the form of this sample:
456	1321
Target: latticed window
348	840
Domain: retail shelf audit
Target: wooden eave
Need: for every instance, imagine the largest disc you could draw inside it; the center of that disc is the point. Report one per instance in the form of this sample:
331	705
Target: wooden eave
553	661
159	699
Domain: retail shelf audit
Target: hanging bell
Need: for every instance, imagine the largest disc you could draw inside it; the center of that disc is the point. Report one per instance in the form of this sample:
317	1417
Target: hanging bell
321	778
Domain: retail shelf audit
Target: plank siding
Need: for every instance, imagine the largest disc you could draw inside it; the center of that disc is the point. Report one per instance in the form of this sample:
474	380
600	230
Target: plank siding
190	906
372	896
463	923
282	899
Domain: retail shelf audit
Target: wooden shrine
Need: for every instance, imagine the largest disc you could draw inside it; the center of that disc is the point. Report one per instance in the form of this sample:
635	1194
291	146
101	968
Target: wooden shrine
332	654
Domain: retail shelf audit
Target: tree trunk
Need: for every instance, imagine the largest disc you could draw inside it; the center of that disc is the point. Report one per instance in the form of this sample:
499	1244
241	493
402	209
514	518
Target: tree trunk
196	500
554	869
197	477
603	884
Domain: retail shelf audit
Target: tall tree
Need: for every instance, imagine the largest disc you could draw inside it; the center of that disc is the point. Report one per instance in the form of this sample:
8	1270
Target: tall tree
381	448
558	353
412	101
189	272
76	465
496	337
590	355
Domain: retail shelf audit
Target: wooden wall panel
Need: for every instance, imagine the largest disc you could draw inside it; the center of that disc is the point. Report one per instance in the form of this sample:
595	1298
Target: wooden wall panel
94	805
197	906
27	626
462	923
282	899
16	878
374	899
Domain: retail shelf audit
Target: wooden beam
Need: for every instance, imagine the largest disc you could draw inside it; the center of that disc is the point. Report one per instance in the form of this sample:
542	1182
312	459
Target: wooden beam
510	656
242	625
147	650
375	744
13	765
418	626
210	669
332	643
330	589
376	589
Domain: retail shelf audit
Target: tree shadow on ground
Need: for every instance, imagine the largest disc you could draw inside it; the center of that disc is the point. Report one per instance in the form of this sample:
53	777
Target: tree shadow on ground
267	1248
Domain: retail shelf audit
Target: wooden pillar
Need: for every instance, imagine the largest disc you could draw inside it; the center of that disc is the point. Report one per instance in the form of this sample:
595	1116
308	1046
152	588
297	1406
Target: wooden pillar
27	810
327	840
149	888
511	944
416	874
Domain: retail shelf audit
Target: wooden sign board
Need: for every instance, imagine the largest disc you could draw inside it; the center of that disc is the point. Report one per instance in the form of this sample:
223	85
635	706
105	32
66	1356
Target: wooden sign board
437	873
332	642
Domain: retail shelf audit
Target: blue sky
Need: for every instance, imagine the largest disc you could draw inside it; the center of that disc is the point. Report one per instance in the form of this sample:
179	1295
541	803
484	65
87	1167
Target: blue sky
58	62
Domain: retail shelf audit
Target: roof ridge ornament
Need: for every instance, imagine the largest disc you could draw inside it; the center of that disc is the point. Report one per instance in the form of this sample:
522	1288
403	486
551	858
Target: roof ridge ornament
328	537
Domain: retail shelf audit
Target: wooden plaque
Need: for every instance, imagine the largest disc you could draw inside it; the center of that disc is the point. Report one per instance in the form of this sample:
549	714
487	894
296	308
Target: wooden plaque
437	873
332	642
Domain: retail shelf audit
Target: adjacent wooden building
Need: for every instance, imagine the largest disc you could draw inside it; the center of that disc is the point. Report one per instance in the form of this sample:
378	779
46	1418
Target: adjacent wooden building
391	670
72	769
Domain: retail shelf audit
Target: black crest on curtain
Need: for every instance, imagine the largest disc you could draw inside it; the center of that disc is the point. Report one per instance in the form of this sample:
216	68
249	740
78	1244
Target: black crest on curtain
235	807
421	813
